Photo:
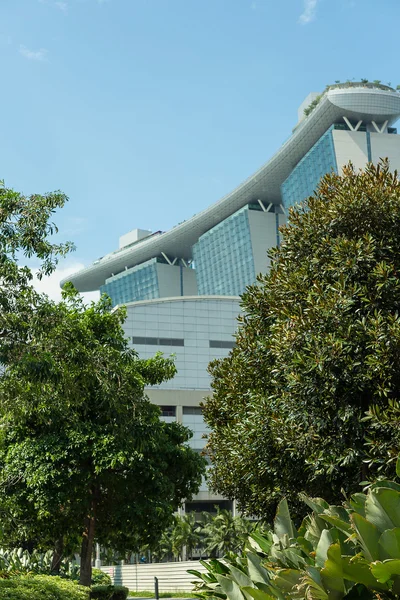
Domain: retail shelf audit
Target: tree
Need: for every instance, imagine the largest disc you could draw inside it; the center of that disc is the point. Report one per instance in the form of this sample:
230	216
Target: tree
318	346
84	454
223	533
25	231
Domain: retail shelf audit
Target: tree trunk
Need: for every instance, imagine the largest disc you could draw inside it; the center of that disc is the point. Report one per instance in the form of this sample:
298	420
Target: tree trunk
87	549
57	556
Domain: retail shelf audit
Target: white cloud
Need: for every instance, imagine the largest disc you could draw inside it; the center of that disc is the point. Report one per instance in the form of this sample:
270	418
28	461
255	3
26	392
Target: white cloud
309	13
63	6
51	285
39	55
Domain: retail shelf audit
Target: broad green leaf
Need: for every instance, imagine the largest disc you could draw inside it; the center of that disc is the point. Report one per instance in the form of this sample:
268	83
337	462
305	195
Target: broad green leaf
241	578
321	554
258	594
357	503
382	508
263	543
385	484
390	544
386	570
332	573
368	536
398	467
318	505
283	523
230	587
337	523
285	579
257	572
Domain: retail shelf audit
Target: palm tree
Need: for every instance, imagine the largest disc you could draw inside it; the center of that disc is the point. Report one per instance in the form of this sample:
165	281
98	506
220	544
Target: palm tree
224	533
185	536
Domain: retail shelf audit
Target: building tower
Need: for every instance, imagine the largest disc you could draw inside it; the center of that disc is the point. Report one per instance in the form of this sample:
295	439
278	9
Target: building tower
182	287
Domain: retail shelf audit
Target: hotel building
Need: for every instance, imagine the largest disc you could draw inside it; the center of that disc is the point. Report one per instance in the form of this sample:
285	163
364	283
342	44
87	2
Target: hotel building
181	287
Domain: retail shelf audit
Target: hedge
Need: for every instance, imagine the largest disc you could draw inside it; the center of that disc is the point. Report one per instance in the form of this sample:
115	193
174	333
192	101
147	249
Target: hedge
41	587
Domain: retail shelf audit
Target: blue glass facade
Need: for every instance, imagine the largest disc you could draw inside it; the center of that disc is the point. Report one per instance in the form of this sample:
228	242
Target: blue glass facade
138	283
304	178
223	257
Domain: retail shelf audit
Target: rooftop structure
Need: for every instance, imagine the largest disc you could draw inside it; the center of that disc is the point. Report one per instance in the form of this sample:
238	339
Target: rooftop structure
352	106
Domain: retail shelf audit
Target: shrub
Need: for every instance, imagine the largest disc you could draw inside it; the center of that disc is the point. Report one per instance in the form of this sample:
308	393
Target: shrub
109	592
101	592
120	592
100	578
350	551
41	587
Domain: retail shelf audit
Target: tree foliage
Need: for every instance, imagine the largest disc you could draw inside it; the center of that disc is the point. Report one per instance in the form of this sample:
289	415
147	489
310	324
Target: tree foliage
25	233
83	452
318	347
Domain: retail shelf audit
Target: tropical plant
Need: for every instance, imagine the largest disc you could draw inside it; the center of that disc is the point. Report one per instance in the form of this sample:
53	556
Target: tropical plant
338	552
223	532
185	536
19	560
41	587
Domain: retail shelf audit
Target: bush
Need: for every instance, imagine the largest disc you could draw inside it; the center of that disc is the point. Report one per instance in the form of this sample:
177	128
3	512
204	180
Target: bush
100	578
101	592
349	551
120	592
41	587
108	592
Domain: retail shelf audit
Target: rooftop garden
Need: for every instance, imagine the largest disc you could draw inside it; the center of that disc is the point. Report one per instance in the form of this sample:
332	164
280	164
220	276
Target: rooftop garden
376	84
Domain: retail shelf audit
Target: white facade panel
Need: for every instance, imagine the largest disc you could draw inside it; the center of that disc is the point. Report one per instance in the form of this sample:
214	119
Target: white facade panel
350	146
384	145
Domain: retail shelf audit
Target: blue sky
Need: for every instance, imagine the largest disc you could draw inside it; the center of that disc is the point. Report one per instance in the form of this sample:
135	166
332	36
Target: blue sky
146	111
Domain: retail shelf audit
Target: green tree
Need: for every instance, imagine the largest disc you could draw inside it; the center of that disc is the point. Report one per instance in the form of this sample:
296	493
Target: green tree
84	454
223	533
25	232
318	347
185	537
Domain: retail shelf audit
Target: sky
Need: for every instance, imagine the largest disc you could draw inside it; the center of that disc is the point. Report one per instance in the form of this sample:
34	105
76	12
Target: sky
145	112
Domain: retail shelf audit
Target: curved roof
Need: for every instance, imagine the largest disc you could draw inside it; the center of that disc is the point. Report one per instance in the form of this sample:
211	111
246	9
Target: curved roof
355	103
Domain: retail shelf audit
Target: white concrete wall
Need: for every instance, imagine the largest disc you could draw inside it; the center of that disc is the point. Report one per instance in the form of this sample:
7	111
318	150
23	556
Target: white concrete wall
263	237
169	281
171	576
197	320
386	145
350	145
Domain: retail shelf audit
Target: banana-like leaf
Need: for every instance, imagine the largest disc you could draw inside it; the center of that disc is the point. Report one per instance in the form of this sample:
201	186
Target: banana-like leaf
332	573
321	553
386	570
257	571
398	467
287	579
258	594
230	587
385	484
312	585
357	503
283	523
382	508
263	543
241	578
368	535
338	523
317	505
389	543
